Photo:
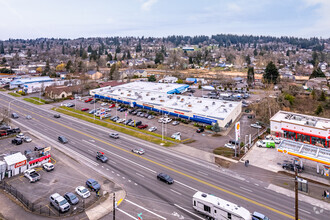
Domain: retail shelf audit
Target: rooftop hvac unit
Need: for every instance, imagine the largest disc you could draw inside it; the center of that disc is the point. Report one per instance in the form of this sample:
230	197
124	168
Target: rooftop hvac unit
128	94
159	96
224	110
162	100
178	97
152	98
206	107
175	103
199	101
230	105
182	100
213	103
189	105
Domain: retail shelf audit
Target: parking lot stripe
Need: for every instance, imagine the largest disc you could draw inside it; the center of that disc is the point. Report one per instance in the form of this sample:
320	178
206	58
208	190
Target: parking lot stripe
159	216
51	210
131	216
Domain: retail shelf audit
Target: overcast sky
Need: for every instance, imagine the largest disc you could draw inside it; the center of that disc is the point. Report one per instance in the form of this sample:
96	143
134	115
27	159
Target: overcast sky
28	19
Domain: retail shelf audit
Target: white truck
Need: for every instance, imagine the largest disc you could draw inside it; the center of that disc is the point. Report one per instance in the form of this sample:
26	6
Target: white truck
32	175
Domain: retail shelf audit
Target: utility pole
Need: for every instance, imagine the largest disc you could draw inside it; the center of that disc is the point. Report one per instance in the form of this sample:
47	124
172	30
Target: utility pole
114	206
296	193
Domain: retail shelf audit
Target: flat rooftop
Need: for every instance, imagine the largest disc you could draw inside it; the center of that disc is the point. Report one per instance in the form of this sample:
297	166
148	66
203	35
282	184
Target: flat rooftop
301	119
152	87
218	109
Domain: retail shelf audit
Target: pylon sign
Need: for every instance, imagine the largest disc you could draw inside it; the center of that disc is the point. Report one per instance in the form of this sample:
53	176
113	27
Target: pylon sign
238	130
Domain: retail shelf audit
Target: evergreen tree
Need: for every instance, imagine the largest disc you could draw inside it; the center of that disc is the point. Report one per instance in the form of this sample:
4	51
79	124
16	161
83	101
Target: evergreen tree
89	49
255	52
152	78
216	127
138	47
248	59
319	110
63	51
2	49
29	54
115	57
159	58
317	73
112	71
109	57
84	55
47	67
129	55
118	49
68	65
322	96
271	73
250	75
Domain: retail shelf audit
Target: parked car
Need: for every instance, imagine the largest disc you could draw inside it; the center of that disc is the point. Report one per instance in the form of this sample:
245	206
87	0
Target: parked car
290	166
112	105
92	111
167	120
256	126
114	135
138	151
130	111
165	178
250	116
269	137
84	109
152	129
176	134
101	157
128	121
14	115
17	141
38	148
146	115
229	145
20	135
107	115
277	140
151	117
142	126
62	139
88	100
131	123
83	192
71	198
57	116
32	175
48	166
175	123
59	202
92	102
134	112
28	117
104	104
200	130
93	184
120	120
138	123
27	139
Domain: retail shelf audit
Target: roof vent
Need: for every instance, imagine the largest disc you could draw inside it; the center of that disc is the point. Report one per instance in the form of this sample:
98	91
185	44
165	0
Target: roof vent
204	195
213	103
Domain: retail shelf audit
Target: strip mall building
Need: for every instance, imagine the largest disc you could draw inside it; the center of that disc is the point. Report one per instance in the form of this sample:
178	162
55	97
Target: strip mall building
303	128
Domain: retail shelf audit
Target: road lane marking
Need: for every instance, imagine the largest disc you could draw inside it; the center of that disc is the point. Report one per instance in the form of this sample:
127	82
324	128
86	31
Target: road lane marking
176	192
189	212
304	211
186	186
159	216
90	151
203	173
245	189
139	175
131	216
164	166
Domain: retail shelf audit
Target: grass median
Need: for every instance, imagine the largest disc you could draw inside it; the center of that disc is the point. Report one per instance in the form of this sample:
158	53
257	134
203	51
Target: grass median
142	134
39	100
14	94
33	101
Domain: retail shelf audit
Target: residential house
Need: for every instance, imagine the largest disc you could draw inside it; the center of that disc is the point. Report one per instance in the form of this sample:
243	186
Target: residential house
168	79
60	92
130	73
92	74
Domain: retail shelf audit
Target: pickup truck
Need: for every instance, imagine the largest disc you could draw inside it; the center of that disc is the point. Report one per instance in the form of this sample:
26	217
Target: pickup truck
32	175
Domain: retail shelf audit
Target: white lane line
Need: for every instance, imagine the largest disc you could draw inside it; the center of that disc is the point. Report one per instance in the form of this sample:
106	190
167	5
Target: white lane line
102	166
104	150
159	216
304	211
124	177
203	173
118	174
256	184
186	185
175	192
107	168
113	162
112	172
90	151
139	175
245	189
129	181
189	212
135	184
171	161
126	213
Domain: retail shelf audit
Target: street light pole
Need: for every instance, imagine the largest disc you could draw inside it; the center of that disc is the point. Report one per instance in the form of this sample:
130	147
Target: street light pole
9	107
94	107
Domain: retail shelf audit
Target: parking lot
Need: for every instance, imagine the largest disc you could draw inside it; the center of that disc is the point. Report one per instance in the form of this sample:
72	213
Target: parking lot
66	176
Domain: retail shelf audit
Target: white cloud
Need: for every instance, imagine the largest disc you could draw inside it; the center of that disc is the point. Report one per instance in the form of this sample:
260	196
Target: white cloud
147	4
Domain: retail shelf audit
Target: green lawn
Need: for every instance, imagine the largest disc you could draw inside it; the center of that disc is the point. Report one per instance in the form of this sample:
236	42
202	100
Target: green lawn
33	101
39	100
14	94
142	134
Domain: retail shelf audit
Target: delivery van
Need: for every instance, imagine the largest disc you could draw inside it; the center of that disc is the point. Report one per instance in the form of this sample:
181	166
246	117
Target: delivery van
266	143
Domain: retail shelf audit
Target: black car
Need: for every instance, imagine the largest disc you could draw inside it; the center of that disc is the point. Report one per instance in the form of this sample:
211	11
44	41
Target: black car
128	121
123	109
131	111
62	139
138	123
100	156
71	198
200	130
92	102
165	178
13	131
57	116
14	115
17	141
290	166
134	112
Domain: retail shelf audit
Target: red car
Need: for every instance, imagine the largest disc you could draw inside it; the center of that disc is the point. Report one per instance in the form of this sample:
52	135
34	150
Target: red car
112	106
142	126
84	109
88	100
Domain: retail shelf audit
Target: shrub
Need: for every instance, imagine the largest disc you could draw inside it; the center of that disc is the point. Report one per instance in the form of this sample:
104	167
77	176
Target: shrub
208	127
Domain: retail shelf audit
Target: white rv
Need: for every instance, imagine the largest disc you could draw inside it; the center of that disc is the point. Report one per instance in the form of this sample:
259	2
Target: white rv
219	209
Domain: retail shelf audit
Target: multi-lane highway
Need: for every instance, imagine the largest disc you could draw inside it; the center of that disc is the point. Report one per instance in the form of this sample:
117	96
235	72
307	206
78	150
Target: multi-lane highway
137	174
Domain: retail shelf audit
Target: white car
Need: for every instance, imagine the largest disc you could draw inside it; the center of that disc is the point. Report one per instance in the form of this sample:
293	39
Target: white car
175	135
27	139
83	192
152	129
28	117
277	140
175	123
167	120
48	166
138	151
160	120
256	126
20	135
103	104
269	137
121	120
229	145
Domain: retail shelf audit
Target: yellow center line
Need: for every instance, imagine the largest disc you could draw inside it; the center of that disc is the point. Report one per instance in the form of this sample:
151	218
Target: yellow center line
169	168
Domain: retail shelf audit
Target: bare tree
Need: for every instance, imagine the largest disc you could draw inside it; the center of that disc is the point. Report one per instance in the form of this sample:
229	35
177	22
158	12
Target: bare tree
4	116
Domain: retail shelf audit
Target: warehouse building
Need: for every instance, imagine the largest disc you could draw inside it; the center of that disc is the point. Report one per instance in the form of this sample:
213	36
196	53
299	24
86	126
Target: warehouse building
167	98
18	83
303	128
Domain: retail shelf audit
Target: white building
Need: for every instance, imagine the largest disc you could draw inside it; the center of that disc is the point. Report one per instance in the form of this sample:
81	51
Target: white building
299	127
168	79
16	164
162	98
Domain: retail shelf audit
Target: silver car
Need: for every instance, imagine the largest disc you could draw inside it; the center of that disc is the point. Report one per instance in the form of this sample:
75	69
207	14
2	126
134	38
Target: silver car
138	151
59	202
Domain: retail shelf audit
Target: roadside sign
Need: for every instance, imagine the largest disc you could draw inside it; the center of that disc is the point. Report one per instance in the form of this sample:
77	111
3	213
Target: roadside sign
238	130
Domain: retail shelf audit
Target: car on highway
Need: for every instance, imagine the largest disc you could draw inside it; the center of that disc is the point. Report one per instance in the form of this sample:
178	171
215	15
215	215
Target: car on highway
71	198
57	116
27	139
83	192
259	216
200	130
93	184
165	178
290	166
138	151
277	140
175	122
59	202
229	145
48	166
152	129
142	126
88	100
14	115
17	141
62	139
114	135
84	109
101	157
256	126
28	117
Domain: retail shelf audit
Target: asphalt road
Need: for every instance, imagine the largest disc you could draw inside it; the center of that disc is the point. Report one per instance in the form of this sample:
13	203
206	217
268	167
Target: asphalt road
137	174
